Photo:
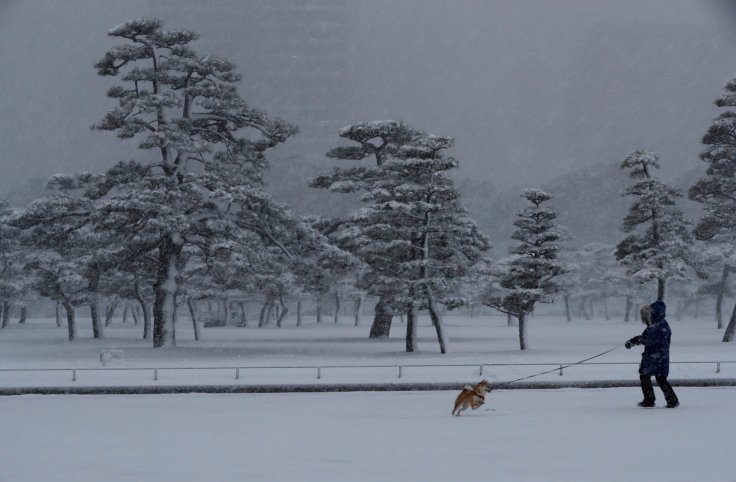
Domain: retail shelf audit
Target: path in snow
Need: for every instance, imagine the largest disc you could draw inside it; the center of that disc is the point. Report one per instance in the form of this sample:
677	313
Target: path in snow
555	435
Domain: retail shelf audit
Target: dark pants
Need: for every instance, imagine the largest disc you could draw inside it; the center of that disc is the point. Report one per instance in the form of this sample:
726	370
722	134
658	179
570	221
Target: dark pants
646	387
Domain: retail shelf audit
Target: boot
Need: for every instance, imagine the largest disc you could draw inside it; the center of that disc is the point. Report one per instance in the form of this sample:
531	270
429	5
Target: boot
669	393
648	391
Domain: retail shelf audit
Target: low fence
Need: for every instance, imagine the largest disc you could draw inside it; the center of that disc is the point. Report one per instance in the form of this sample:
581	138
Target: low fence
320	371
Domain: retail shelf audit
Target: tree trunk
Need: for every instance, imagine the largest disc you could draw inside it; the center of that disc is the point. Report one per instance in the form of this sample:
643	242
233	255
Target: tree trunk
6	314
144	309
719	297
94	313
193	317
411	330
627	308
270	310
697	308
284	312
567	307
58	314
23	314
381	320
337	306
126	308
472	310
264	309
605	308
522	331
243	315
731	328
164	305
436	317
110	312
318	308
146	319
660	289
134	314
509	319
299	311
70	319
226	302
356	311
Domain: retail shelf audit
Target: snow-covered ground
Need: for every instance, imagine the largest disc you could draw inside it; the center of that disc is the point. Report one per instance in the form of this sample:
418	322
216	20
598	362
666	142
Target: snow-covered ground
519	435
565	435
293	353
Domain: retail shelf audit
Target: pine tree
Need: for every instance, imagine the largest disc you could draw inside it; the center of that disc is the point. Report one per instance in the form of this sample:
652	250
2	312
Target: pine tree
716	190
661	249
380	140
210	145
11	278
66	255
415	237
529	276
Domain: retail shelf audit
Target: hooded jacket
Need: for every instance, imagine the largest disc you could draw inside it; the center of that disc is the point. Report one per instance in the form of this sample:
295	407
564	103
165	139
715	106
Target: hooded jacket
655	360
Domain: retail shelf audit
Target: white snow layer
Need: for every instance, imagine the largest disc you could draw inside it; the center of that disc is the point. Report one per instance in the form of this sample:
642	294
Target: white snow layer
520	435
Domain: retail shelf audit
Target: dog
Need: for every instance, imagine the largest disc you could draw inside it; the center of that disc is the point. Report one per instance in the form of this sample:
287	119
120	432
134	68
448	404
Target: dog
472	397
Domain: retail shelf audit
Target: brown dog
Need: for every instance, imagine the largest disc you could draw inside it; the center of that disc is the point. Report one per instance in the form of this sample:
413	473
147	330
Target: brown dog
472	397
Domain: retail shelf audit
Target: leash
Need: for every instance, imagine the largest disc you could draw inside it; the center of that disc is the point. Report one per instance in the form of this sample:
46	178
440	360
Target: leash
495	386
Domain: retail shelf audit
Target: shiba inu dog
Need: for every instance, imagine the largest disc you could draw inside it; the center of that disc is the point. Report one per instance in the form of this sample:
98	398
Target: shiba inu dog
472	397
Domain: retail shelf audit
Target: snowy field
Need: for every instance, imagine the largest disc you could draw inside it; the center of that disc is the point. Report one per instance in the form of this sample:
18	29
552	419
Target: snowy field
519	435
292	354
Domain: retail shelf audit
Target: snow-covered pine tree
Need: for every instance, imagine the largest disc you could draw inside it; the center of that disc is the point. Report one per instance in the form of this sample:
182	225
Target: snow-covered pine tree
716	190
445	243
415	237
58	272
621	285
380	140
63	223
720	260
531	271
597	276
11	279
661	246
210	147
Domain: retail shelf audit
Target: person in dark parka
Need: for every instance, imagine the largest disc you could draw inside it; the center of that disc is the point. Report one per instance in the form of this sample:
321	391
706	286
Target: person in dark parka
655	360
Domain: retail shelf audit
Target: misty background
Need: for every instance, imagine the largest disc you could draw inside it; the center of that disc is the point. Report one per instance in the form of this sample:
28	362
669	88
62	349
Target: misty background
536	93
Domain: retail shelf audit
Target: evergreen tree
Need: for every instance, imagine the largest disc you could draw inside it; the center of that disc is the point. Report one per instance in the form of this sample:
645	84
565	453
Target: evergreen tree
716	190
720	260
379	140
67	256
414	236
210	147
530	273
660	247
11	261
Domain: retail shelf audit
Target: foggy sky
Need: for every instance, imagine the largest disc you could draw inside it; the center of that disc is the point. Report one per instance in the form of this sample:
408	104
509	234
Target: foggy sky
527	88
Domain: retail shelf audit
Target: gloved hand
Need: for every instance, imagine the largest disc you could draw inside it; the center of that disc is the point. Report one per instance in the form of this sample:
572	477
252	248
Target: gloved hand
628	344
